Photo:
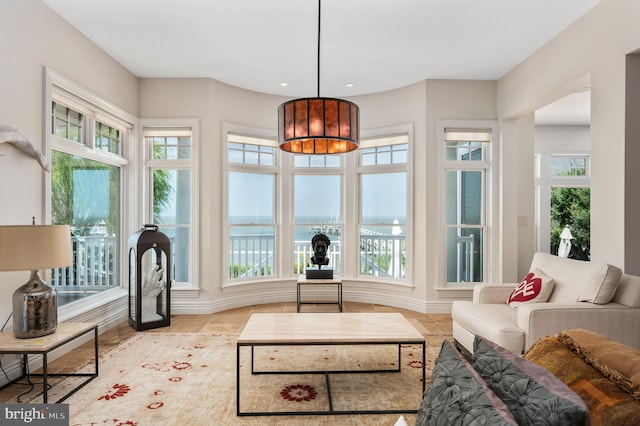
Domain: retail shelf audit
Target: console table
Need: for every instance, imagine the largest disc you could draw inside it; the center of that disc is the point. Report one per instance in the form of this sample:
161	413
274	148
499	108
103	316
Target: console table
304	281
64	334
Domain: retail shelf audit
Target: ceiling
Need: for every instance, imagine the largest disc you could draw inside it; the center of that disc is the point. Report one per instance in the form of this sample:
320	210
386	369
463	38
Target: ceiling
375	45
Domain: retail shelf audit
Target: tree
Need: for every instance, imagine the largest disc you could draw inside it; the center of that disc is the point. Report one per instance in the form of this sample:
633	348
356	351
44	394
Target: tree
571	206
75	199
162	191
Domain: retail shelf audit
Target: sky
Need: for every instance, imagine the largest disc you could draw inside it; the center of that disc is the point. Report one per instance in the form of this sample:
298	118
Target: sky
383	195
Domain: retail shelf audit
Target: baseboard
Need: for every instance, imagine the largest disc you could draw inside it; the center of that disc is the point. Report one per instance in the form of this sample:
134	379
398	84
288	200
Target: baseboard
233	301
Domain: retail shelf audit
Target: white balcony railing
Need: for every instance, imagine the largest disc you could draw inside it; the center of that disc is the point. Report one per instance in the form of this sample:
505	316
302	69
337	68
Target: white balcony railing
252	256
95	262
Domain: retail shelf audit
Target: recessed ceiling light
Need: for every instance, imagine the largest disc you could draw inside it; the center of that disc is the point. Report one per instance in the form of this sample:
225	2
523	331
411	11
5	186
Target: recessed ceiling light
284	84
350	84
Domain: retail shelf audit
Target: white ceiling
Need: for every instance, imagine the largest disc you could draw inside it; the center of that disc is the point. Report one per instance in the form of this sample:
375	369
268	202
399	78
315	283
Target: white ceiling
376	45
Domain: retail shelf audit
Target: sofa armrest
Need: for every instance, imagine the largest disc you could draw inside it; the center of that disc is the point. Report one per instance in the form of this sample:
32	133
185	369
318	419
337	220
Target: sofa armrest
492	293
539	320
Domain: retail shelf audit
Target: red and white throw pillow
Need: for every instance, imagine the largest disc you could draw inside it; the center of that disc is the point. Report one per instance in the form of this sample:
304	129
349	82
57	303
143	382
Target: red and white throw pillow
536	287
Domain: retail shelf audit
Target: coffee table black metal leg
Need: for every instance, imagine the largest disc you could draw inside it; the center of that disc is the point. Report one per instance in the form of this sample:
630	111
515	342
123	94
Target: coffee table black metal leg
237	380
424	366
44	378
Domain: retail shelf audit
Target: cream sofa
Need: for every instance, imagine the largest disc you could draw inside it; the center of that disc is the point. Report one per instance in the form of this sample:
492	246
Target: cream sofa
589	295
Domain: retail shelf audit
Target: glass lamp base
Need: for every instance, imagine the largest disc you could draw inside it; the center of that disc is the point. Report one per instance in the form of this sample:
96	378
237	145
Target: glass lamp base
35	309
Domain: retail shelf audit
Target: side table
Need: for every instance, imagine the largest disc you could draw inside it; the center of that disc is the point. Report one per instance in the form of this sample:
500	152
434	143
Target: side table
303	281
66	332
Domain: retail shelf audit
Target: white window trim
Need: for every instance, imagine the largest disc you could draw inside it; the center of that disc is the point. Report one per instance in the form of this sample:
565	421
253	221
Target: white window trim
543	184
369	139
281	238
491	237
192	287
285	171
58	87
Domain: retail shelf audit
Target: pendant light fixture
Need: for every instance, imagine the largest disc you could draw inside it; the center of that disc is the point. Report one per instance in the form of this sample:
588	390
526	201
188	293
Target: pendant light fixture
318	125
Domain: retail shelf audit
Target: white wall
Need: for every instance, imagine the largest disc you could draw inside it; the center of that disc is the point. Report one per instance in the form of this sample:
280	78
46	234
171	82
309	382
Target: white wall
32	37
595	45
562	139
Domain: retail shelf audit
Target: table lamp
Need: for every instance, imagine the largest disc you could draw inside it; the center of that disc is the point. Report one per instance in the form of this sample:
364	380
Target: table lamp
32	248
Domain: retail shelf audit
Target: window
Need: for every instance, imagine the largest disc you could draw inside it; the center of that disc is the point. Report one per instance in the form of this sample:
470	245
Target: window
325	161
383	206
563	165
169	150
317	209
67	123
276	202
563	200
86	187
466	199
251	208
107	138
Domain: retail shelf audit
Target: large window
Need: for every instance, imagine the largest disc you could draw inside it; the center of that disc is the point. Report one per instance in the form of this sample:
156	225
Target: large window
317	208
169	150
382	175
87	181
466	172
276	202
251	208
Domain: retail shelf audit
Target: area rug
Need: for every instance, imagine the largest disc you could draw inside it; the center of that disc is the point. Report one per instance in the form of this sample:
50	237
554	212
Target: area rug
160	379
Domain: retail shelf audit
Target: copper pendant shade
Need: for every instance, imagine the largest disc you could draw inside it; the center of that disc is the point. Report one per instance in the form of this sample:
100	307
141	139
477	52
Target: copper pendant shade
318	125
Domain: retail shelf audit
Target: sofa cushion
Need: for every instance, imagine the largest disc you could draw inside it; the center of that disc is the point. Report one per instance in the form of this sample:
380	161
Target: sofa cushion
608	403
535	287
577	280
457	395
628	291
496	322
533	395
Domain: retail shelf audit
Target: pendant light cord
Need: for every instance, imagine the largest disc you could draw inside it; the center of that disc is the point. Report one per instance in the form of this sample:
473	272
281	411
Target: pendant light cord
319	2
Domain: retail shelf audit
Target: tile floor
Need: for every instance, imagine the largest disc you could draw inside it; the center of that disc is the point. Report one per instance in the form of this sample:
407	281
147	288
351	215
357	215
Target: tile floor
230	321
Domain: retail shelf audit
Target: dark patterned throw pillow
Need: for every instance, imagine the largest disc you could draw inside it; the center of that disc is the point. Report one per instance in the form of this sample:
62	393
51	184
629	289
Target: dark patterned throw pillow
533	394
458	396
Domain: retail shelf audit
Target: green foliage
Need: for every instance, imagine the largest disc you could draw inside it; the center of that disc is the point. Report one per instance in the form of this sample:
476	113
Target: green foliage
571	206
239	270
61	189
62	194
162	191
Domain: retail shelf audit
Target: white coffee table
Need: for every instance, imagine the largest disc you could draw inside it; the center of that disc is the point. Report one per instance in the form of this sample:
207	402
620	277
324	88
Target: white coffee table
308	329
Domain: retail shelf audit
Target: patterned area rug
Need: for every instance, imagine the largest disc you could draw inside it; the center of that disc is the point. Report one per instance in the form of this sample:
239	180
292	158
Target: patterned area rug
190	379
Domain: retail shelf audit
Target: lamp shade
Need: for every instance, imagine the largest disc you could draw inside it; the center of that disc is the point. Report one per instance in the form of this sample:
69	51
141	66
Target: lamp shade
318	126
34	247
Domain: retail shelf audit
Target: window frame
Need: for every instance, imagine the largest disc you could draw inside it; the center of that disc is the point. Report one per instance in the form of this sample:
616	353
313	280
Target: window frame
94	108
488	165
275	170
376	138
544	181
285	171
148	164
